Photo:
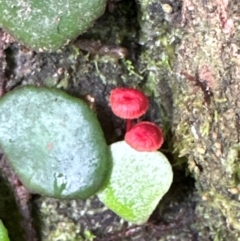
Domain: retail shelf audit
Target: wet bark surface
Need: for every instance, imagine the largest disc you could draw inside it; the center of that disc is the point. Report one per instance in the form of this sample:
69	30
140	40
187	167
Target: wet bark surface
185	56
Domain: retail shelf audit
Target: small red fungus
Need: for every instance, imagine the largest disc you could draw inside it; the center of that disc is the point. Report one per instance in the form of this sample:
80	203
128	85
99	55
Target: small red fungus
145	136
128	103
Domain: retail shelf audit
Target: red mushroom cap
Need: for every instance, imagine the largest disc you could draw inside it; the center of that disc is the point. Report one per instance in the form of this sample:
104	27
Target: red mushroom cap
128	103
145	136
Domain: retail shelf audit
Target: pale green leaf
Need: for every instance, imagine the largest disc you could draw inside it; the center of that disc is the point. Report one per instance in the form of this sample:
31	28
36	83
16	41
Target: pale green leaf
137	183
3	233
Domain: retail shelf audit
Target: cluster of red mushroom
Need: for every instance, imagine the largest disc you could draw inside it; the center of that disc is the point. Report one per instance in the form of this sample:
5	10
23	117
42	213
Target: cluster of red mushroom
129	104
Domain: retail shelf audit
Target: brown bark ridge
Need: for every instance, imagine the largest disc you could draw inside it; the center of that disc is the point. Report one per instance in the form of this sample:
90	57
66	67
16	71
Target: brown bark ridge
201	96
206	102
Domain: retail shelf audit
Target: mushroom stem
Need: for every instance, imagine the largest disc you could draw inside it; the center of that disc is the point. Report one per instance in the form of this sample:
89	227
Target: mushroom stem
128	125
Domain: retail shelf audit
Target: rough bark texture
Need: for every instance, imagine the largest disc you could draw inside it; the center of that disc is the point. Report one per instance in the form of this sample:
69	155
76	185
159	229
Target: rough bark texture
185	56
206	120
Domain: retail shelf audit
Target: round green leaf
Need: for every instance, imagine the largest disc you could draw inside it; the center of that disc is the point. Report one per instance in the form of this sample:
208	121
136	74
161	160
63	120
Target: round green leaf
3	232
137	182
54	142
48	24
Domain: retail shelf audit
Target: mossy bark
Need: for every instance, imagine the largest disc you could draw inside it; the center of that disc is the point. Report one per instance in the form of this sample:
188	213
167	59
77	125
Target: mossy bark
206	102
185	56
204	86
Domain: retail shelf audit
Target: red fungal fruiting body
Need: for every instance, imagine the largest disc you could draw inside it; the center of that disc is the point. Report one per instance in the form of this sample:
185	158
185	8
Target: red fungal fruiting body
128	103
145	136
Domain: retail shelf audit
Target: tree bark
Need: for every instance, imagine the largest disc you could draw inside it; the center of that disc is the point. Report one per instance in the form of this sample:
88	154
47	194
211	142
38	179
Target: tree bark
202	90
185	56
210	53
